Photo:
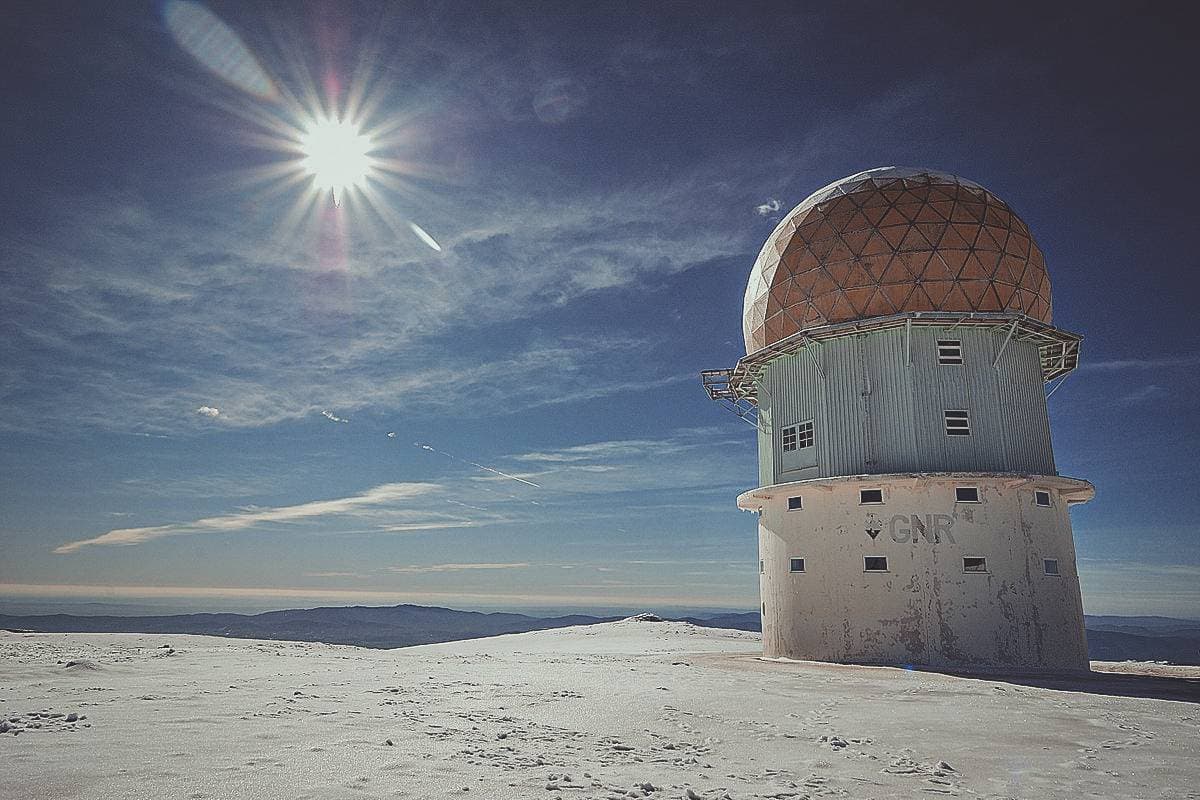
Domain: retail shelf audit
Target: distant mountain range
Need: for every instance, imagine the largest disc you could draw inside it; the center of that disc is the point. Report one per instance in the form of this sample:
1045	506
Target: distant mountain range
364	626
1109	638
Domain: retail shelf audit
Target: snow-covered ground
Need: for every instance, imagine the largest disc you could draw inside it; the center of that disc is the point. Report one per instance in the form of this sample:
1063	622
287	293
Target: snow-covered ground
627	709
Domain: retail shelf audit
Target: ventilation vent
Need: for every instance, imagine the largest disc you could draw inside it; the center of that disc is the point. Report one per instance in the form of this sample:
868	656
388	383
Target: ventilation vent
949	351
958	423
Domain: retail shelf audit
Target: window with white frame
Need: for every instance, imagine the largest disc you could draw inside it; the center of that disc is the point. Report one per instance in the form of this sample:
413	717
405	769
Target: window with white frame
1041	498
789	438
805	435
796	565
974	564
958	422
966	494
868	497
949	351
1050	566
795	503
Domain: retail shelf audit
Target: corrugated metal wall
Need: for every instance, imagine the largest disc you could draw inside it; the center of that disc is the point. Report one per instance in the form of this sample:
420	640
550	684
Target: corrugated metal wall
875	412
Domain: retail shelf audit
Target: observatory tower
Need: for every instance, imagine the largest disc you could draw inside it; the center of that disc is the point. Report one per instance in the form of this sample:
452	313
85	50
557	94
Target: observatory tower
898	354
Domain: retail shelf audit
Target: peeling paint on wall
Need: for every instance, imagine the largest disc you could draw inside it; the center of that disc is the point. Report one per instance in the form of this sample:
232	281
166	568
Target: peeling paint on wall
927	609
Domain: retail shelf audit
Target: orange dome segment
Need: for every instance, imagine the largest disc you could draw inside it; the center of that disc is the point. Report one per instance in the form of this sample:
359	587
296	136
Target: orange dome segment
888	241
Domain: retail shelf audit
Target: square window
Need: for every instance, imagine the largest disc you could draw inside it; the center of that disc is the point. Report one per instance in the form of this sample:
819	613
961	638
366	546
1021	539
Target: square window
789	438
974	564
795	503
875	564
868	496
1041	498
805	434
1050	566
797	565
949	351
958	423
966	494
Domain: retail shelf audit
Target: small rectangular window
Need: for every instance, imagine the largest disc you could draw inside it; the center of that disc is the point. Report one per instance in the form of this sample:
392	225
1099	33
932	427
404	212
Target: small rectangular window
949	351
1041	498
762	567
958	423
797	565
789	438
966	494
974	564
868	496
795	503
805	434
1050	565
875	564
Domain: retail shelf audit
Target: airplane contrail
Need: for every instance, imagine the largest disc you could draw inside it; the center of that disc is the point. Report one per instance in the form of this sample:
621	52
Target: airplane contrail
433	449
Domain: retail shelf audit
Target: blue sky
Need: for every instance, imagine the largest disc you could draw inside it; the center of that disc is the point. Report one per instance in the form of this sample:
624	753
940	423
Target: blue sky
594	179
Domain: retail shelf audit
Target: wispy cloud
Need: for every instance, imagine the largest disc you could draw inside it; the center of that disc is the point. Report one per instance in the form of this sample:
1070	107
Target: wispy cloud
1116	586
264	305
1142	394
433	525
290	596
329	415
768	208
1183	360
423	568
372	498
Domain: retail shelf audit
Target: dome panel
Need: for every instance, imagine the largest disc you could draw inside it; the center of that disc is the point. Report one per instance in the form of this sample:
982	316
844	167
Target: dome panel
893	240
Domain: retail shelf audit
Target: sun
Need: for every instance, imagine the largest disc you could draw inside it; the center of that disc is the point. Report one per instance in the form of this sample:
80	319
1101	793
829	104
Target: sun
337	154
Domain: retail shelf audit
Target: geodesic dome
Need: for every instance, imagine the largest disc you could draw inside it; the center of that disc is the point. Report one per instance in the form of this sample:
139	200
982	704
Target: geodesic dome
892	240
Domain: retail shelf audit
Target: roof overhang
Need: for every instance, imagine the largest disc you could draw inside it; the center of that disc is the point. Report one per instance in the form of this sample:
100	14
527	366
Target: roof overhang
1059	349
1073	490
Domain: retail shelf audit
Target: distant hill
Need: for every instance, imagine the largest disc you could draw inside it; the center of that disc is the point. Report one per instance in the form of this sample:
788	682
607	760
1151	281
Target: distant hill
364	626
1109	638
750	621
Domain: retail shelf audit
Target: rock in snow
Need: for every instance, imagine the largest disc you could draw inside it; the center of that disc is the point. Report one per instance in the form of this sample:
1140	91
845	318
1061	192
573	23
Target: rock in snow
572	712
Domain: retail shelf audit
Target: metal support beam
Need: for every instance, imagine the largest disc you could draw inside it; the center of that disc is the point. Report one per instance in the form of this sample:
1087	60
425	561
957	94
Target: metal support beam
908	342
1007	338
816	365
1057	385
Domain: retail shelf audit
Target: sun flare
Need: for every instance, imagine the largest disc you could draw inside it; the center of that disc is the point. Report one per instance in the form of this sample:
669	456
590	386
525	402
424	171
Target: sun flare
337	155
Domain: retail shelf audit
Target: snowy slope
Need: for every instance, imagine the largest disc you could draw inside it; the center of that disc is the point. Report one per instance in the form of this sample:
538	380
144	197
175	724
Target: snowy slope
613	710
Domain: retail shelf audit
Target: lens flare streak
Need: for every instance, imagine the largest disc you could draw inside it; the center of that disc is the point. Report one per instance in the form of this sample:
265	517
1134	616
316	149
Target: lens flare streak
433	449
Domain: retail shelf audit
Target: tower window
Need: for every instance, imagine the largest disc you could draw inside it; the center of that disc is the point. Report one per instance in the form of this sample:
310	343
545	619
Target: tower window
974	564
966	494
875	564
949	351
805	435
958	423
797	565
869	496
1050	566
1041	498
789	438
762	567
795	503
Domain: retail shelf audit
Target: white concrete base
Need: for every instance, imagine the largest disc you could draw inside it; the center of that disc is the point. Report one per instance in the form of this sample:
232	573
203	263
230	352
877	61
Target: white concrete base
927	608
